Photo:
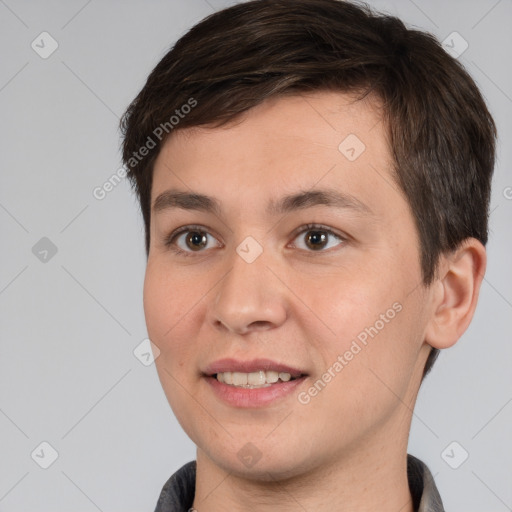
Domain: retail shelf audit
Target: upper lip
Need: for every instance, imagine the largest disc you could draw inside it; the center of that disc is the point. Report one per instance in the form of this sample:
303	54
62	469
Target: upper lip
254	365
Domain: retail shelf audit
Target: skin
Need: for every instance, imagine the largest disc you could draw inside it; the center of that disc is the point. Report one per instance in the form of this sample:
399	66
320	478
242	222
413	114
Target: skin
345	450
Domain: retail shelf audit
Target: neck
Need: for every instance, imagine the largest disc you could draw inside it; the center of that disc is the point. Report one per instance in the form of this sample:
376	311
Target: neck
368	480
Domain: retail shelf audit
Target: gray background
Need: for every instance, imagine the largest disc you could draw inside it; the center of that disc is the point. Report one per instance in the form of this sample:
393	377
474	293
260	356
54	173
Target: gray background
70	323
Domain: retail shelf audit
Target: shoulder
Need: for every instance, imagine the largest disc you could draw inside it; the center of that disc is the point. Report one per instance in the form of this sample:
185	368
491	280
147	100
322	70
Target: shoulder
178	492
423	488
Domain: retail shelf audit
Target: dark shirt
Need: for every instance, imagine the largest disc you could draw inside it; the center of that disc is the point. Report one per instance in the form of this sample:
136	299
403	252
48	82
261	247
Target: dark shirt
178	493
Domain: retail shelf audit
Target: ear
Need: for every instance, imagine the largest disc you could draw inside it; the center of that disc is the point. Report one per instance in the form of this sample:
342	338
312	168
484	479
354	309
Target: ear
455	293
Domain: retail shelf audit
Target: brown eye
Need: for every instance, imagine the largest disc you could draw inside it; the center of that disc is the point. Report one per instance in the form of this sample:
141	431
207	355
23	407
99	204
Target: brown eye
314	238
191	239
196	240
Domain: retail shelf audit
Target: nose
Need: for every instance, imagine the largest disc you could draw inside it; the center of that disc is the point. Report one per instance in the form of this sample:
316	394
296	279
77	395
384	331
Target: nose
249	298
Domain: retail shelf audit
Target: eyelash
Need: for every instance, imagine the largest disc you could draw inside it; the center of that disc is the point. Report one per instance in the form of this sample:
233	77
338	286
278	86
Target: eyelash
169	241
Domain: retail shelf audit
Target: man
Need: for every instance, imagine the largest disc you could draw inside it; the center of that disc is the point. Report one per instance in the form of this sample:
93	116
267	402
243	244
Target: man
314	180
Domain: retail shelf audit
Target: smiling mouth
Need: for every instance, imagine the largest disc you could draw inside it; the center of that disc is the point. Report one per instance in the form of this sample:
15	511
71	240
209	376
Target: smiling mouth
254	380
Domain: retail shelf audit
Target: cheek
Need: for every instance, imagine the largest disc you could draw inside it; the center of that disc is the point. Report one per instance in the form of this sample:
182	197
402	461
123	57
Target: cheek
169	308
379	348
368	313
157	304
169	303
369	365
349	300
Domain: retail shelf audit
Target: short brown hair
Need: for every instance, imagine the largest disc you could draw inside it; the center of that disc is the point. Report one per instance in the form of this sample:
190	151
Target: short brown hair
441	133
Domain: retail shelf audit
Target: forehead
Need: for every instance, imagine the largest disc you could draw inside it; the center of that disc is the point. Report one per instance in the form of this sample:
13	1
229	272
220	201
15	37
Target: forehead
287	143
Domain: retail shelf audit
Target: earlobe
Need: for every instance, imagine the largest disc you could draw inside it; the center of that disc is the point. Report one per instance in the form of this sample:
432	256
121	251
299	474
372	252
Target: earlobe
455	293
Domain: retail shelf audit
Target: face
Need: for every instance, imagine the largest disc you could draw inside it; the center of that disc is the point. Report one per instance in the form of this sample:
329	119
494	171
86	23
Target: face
282	249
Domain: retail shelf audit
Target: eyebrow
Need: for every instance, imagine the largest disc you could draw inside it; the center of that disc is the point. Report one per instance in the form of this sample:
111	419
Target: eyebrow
289	203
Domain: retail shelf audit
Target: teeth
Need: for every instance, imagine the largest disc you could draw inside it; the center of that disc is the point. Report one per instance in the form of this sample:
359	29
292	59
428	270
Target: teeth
239	379
272	376
259	379
256	378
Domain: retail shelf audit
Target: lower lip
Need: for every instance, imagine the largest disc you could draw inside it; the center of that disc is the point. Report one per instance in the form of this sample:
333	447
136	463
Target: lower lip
256	397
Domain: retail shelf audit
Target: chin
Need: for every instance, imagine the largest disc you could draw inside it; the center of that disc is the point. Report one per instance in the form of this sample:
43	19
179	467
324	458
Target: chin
266	465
